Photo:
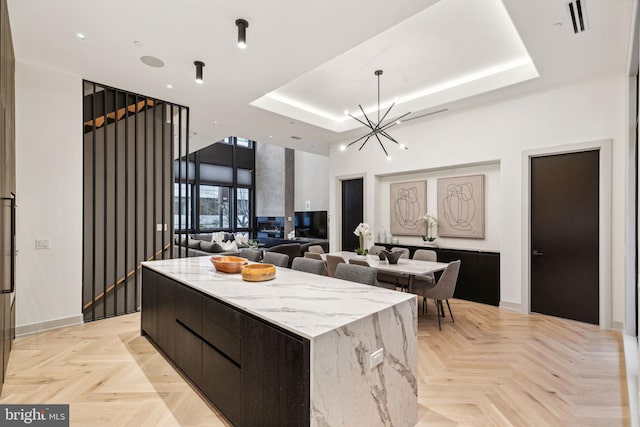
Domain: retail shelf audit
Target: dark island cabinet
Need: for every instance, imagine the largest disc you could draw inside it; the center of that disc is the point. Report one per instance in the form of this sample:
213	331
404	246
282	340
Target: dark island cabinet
255	373
159	323
479	277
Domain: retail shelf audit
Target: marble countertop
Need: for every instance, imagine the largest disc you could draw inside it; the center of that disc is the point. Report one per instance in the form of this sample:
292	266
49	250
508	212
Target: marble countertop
305	304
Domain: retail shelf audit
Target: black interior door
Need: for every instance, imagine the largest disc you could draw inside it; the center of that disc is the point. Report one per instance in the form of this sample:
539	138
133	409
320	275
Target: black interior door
352	212
564	235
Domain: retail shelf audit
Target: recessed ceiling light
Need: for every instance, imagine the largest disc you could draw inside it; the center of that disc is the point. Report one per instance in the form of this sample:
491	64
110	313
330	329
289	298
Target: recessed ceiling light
169	87
403	147
343	147
152	61
81	36
215	123
389	158
270	136
346	112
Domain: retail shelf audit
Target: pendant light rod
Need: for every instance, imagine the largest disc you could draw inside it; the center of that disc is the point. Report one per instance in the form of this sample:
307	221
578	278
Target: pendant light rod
378	128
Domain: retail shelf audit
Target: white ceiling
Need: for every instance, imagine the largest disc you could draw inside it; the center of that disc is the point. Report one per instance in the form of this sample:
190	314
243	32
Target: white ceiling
307	62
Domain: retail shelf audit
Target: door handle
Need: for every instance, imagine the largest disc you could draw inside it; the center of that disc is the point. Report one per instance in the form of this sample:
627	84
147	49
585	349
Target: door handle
536	253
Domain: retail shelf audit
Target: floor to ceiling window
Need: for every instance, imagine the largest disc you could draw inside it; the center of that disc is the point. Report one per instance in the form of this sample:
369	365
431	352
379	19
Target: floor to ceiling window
221	178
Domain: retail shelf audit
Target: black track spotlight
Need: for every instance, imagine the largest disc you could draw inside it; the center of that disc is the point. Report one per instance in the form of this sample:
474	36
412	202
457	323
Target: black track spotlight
242	33
199	66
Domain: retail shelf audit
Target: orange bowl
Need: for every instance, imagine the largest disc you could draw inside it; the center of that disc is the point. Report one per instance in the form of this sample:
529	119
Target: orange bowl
228	264
258	272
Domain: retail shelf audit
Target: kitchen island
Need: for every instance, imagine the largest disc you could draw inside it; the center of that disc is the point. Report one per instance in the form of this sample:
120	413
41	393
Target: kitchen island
297	350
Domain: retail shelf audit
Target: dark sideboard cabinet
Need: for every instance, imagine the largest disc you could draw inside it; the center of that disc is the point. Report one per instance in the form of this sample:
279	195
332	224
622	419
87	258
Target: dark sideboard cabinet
255	373
479	277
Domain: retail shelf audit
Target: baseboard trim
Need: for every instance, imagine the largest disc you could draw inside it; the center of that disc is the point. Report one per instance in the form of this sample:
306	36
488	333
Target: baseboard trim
513	306
48	325
618	326
631	363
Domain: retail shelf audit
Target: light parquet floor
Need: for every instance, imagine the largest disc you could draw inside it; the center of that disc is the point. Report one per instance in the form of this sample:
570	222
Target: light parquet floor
490	368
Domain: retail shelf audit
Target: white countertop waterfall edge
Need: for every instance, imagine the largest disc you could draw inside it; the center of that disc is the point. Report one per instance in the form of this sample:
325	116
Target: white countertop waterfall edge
306	304
347	391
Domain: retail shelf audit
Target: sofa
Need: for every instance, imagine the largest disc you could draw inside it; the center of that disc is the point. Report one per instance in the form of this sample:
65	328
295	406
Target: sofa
201	245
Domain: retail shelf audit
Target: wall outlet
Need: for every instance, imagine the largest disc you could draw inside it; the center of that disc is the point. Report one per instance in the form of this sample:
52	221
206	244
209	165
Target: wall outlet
166	227
376	358
289	218
307	205
158	227
43	243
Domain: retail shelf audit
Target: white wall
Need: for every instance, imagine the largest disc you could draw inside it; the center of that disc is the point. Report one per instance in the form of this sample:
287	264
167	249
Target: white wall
500	131
311	181
492	203
49	196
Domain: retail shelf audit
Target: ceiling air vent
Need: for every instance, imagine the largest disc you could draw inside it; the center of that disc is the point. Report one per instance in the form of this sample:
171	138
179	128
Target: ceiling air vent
578	15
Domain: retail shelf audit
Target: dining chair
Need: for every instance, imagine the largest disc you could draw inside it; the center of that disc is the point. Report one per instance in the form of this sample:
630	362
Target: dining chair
399	279
356	273
405	251
427	280
375	250
444	289
309	265
316	249
312	255
332	263
276	258
251	254
378	283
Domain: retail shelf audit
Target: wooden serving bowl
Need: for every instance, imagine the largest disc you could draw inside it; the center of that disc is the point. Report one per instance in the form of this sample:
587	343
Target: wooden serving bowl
228	264
258	272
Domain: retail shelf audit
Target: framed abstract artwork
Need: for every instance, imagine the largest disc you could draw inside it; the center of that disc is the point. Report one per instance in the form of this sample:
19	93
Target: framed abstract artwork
408	203
461	207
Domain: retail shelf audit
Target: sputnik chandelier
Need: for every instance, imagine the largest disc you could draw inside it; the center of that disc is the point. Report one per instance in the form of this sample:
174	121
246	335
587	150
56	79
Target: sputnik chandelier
377	129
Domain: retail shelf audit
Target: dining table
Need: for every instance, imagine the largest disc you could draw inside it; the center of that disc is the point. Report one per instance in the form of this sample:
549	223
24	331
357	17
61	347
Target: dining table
406	266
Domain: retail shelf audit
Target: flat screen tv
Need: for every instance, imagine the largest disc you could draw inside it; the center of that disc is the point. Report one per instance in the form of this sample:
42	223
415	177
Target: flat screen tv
311	224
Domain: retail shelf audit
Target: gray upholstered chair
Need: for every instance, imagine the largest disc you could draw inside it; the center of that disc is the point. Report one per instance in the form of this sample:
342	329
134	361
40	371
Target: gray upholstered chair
313	255
363	263
316	249
375	250
405	251
425	281
309	265
444	289
276	258
397	279
332	263
251	254
290	249
356	273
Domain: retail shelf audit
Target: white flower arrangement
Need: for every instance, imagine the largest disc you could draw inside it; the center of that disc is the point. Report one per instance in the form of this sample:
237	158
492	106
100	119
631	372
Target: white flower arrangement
431	221
362	229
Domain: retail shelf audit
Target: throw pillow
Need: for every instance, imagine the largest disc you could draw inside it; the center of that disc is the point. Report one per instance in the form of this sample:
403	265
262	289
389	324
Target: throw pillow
230	246
212	247
241	238
193	244
218	237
